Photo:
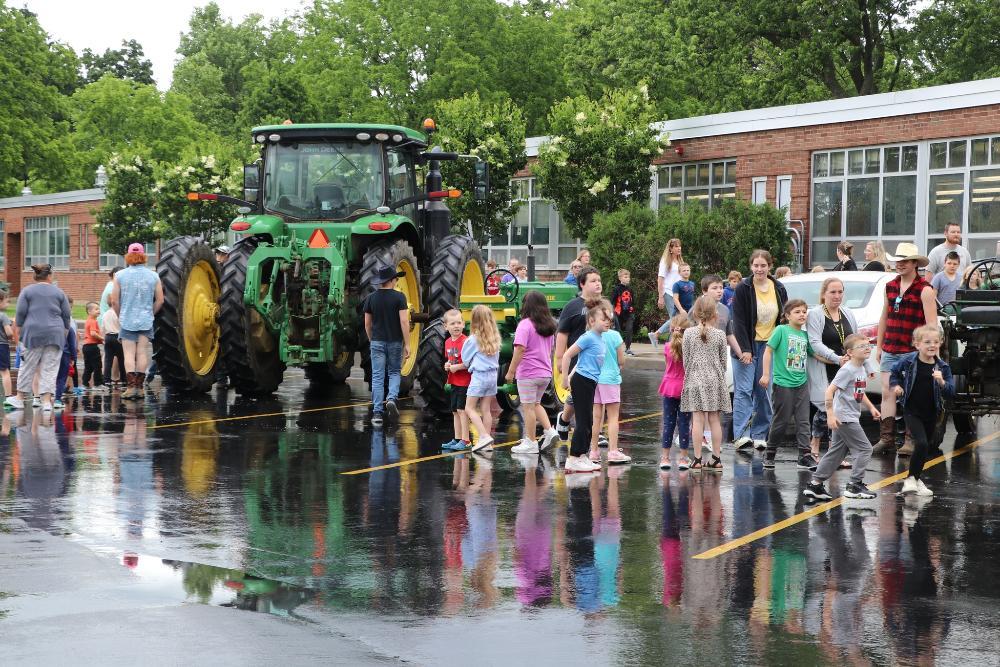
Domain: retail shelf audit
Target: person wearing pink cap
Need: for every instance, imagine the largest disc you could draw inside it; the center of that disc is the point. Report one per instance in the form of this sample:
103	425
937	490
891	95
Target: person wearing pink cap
136	297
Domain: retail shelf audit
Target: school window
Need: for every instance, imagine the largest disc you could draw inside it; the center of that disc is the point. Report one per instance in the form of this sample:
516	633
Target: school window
538	223
46	241
704	184
3	250
109	261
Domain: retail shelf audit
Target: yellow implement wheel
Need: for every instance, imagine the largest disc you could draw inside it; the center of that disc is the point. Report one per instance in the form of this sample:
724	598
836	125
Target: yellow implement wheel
561	394
200	319
409	285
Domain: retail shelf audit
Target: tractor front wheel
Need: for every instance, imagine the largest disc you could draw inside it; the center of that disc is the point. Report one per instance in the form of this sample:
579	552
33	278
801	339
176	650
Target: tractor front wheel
457	269
186	345
332	372
430	367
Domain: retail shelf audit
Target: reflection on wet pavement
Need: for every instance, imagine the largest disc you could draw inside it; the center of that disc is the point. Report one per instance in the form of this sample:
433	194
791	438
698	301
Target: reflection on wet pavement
245	504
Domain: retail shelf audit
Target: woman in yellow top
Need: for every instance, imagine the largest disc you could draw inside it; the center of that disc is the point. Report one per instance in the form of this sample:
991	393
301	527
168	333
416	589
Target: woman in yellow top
757	305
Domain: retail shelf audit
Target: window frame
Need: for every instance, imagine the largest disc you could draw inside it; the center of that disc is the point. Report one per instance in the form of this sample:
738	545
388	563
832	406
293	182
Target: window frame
682	190
525	190
59	262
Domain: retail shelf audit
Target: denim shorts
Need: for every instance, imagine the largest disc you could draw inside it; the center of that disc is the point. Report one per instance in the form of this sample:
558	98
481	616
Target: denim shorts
481	387
888	360
133	336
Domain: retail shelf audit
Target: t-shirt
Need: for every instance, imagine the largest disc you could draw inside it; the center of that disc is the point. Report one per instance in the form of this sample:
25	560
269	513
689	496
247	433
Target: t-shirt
137	293
573	322
727	295
611	372
669	277
537	359
767	313
791	350
103	305
946	288
852	380
384	306
91	332
109	322
921	399
4	323
936	258
478	361
684	289
453	354
723	321
590	361
673	375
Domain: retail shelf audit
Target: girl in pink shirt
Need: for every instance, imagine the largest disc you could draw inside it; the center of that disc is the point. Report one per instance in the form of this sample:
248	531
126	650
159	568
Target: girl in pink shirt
670	390
531	365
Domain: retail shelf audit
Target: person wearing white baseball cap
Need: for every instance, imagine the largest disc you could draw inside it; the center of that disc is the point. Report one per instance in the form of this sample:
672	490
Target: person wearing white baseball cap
222	254
136	297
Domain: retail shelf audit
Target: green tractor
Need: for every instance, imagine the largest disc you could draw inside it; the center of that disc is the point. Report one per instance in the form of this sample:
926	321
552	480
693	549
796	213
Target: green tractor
324	207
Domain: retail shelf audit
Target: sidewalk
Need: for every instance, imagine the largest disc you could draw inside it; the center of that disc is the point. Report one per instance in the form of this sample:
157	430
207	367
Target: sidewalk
647	358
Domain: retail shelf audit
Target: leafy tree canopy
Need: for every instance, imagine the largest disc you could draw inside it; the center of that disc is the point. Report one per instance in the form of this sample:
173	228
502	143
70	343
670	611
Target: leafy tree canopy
128	63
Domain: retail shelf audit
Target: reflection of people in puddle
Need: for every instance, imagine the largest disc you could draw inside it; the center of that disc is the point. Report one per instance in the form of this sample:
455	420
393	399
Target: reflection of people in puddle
705	579
583	496
533	542
455	527
135	474
479	548
608	538
675	515
43	468
383	515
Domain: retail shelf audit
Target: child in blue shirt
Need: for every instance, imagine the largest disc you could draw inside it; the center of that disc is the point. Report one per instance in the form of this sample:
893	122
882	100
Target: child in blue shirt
608	398
684	290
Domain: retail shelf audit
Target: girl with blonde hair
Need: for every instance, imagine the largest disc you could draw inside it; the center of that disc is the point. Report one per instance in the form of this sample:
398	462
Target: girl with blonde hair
481	355
875	257
705	394
669	272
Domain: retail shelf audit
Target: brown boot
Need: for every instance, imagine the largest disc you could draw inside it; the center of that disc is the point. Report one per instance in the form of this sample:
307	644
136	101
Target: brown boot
907	448
132	392
887	439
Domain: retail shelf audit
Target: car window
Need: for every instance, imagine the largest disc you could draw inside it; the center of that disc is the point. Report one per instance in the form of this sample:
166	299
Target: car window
857	294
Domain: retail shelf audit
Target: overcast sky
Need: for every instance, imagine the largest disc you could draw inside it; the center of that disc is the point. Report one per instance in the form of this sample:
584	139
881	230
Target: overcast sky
156	24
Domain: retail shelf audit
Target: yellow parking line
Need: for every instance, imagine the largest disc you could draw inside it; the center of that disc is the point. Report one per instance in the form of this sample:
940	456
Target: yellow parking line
836	502
435	457
261	415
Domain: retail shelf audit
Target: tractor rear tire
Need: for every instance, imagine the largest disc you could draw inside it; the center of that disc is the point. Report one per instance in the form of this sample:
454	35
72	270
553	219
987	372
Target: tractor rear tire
250	352
398	254
507	402
333	372
186	346
430	367
551	402
457	268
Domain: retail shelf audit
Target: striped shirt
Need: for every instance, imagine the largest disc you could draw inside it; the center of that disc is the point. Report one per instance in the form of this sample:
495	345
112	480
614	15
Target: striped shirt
906	313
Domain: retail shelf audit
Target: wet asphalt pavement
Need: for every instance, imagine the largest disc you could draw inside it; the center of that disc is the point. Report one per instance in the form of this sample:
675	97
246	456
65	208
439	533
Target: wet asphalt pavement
260	505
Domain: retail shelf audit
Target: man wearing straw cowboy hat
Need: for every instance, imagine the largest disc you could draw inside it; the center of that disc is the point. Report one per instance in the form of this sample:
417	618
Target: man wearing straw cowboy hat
909	303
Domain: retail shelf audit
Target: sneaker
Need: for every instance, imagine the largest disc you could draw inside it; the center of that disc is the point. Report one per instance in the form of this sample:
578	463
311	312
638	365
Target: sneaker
683	462
859	490
58	405
845	465
14	402
526	461
595	456
377	419
816	491
581	464
46	407
526	446
653	339
665	464
78	391
562	428
450	444
602	440
760	445
629	353
461	445
36	402
548	439
743	443
808	462
769	460
391	411
909	486
922	489
618	457
483	445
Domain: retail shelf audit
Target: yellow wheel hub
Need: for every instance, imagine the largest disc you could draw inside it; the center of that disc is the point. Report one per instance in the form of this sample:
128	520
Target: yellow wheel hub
472	279
410	287
200	318
561	394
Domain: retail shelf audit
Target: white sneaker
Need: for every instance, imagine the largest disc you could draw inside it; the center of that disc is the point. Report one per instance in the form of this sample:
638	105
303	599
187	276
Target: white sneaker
742	443
526	446
46	407
526	461
15	402
922	489
549	438
909	486
483	444
581	464
760	445
653	339
35	402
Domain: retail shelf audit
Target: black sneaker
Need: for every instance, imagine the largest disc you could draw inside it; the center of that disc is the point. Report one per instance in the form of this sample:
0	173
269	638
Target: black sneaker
816	491
859	490
769	460
391	410
562	428
808	462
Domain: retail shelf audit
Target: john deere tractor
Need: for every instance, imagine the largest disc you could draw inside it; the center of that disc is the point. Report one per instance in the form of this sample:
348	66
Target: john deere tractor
323	208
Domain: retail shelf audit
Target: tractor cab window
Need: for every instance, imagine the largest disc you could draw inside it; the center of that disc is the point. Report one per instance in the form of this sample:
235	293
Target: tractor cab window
402	180
324	180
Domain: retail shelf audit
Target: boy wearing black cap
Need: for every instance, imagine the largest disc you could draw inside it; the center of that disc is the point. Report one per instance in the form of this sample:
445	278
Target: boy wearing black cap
387	320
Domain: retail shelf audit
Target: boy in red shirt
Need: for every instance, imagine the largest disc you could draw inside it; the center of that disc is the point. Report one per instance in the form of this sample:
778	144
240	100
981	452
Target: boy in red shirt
92	340
458	377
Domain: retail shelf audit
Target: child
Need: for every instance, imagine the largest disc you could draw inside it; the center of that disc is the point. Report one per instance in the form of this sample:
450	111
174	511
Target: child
532	366
6	336
92	340
481	355
69	355
733	279
387	321
683	291
670	389
112	349
790	397
705	394
521	273
623	300
923	380
974	277
711	285
459	378
844	398
493	281
591	349
782	271
607	397
947	282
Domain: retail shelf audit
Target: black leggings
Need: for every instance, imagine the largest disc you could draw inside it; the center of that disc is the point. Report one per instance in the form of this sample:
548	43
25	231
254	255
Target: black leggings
583	389
624	326
113	350
921	431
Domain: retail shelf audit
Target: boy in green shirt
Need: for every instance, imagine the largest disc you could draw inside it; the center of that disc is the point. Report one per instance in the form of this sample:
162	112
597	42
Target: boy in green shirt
787	351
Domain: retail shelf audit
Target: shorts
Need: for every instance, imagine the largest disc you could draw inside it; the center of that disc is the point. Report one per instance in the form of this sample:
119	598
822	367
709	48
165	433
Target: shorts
531	390
607	394
457	400
133	336
482	387
5	357
888	360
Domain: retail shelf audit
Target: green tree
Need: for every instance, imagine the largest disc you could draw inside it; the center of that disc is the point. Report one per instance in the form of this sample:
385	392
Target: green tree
956	40
495	134
128	212
176	216
597	158
128	62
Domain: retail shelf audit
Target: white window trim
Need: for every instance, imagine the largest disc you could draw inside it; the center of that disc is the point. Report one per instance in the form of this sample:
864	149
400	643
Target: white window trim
787	178
656	190
754	182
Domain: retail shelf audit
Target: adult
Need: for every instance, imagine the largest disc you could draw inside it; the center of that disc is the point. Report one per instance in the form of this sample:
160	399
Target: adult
875	256
952	243
136	297
222	254
574	271
668	273
910	302
757	305
512	265
827	326
43	318
845	261
572	325
103	304
582	259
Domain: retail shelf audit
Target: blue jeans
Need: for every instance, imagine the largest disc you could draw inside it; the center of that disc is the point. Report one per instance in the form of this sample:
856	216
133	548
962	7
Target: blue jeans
668	301
673	418
749	398
386	356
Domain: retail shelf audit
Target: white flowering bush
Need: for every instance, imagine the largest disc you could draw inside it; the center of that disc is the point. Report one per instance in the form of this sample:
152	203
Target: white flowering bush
180	217
129	206
598	155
